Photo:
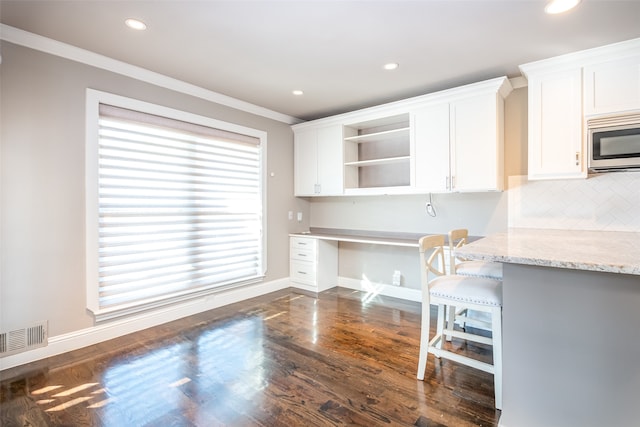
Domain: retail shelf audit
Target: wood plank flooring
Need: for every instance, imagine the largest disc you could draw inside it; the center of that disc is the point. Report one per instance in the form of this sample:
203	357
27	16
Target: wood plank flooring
283	359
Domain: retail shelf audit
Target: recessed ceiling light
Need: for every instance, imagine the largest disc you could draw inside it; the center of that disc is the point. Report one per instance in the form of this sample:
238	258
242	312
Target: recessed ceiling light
559	6
135	24
297	92
390	66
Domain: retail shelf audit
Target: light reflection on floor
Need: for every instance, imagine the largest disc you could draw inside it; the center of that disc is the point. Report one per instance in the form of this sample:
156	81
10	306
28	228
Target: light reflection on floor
213	368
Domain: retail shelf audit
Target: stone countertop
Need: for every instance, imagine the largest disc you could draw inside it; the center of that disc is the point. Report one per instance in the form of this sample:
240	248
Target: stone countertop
606	251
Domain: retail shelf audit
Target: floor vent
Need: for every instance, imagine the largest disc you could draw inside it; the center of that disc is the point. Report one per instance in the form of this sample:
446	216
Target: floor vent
19	340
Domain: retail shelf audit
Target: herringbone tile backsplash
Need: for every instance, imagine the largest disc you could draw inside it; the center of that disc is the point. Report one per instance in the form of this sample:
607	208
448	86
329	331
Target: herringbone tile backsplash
608	201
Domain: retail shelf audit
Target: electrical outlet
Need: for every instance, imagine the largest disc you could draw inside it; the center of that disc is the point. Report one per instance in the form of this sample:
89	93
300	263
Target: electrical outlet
299	216
397	278
290	215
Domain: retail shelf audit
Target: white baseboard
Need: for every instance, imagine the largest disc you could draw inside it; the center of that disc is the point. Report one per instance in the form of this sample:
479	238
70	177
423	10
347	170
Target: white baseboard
381	289
85	337
501	422
74	340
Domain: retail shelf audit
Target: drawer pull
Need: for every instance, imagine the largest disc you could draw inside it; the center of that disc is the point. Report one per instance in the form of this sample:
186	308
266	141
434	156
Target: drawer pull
302	272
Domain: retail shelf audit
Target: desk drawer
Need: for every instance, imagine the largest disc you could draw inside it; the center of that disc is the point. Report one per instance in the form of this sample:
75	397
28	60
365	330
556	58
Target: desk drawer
302	254
304	243
302	272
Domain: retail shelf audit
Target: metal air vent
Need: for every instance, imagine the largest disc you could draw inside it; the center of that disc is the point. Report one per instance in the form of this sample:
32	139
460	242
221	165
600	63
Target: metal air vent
19	340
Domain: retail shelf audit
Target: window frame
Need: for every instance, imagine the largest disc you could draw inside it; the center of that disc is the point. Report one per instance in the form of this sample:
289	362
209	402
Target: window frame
93	99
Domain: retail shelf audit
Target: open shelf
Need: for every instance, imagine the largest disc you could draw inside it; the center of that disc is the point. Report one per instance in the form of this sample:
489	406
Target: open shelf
375	162
377	153
387	136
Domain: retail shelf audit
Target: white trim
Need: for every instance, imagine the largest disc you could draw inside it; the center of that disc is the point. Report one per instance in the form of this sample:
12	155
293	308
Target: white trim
501	422
91	199
63	50
381	289
501	85
519	82
95	97
85	337
583	58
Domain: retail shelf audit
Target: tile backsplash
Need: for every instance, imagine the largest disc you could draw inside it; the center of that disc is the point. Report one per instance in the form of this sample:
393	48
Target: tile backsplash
607	201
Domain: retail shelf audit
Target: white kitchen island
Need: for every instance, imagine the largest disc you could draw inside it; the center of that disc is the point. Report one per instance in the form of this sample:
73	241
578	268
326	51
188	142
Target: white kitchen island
571	326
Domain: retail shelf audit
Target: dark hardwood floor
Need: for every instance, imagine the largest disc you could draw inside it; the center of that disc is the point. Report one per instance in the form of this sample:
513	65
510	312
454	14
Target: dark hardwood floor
284	359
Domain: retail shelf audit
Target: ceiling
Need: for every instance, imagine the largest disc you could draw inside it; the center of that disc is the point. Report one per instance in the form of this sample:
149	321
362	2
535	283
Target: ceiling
259	51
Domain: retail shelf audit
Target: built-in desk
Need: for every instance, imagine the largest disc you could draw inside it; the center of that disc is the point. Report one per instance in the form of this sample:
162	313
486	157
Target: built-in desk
571	321
371	237
313	263
314	260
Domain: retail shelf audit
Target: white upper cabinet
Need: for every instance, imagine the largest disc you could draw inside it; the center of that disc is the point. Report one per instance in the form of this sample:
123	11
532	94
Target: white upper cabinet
446	141
477	143
459	144
318	161
564	91
431	140
612	86
555	125
305	153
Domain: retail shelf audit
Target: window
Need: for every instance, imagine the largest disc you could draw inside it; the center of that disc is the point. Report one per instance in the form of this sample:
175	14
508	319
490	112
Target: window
174	205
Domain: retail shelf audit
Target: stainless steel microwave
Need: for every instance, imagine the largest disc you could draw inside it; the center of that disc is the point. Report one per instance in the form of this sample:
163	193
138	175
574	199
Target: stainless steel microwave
614	142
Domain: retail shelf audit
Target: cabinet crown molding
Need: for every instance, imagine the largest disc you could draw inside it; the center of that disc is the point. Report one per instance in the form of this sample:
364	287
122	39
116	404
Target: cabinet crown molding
583	58
500	85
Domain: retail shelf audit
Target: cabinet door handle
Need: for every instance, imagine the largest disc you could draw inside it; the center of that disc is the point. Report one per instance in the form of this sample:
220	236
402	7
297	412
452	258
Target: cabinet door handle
316	188
577	158
453	182
446	182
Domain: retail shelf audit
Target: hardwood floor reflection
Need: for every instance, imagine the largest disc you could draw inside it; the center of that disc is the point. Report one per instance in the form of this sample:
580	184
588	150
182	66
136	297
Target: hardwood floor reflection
284	359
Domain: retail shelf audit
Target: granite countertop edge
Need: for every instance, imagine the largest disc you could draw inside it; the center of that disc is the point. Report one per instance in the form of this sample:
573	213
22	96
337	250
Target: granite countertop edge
603	251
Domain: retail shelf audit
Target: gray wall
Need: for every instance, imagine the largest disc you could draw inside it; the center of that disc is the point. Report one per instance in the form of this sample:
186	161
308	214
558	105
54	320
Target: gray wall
42	238
42	190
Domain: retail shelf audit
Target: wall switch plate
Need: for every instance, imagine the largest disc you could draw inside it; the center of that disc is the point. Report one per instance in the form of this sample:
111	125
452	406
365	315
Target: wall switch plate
299	216
290	215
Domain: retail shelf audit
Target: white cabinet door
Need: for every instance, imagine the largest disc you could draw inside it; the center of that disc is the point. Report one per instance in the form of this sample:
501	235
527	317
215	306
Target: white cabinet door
477	144
612	87
459	145
330	161
431	148
305	162
318	161
555	125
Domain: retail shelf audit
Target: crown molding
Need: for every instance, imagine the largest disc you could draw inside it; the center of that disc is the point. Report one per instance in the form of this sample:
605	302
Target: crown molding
63	50
580	59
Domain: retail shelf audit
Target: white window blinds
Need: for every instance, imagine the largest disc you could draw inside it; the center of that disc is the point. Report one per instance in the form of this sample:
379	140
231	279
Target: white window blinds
179	209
